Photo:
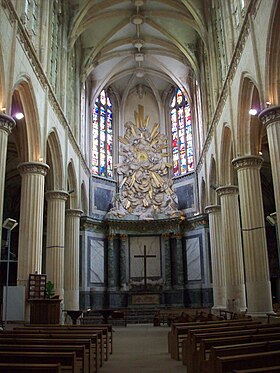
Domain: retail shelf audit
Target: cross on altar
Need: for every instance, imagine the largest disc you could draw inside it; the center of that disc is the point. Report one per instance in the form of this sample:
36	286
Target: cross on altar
145	256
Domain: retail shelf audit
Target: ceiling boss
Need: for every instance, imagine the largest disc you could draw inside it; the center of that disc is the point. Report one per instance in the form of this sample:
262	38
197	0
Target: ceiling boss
146	189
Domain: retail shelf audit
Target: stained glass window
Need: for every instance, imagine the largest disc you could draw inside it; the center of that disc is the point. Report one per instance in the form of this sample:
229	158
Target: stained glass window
102	143
181	126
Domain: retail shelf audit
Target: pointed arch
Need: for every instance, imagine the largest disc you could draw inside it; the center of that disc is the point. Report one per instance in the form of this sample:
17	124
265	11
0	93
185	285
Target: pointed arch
55	176
212	181
84	199
273	57
249	128
27	133
226	156
73	200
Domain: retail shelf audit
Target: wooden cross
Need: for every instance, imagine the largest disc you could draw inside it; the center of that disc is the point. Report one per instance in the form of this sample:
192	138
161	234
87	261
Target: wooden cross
145	256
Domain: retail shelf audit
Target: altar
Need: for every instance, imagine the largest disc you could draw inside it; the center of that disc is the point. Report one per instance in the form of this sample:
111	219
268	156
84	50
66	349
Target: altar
142	299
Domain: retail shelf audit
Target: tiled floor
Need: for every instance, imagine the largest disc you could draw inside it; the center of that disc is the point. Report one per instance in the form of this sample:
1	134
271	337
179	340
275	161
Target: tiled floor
141	349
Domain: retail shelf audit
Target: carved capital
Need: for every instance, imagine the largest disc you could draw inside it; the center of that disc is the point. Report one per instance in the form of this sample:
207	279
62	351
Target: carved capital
211	209
33	168
56	194
123	237
247	161
227	189
74	212
270	116
111	237
166	236
7	123
178	236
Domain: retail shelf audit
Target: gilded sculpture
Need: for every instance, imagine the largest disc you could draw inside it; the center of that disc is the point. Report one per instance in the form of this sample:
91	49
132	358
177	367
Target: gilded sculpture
145	189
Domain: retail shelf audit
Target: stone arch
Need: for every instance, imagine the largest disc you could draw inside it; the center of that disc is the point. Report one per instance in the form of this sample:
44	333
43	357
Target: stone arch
249	129
84	199
26	134
73	200
213	181
273	57
55	176
226	156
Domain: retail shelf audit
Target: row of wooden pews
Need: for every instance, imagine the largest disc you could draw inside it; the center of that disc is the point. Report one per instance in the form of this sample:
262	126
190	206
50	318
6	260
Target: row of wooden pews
60	348
223	346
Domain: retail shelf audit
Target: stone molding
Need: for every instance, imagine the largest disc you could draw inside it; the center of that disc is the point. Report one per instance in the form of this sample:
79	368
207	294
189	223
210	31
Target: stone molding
7	123
227	189
211	209
74	212
56	194
33	168
270	115
247	161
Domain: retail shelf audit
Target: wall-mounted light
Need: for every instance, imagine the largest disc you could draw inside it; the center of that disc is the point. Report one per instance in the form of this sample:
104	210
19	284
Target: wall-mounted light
260	153
40	159
253	111
3	110
19	115
268	103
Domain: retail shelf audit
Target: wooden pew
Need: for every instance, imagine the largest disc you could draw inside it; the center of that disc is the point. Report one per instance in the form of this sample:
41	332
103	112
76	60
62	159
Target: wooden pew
192	346
255	360
92	365
179	332
237	349
96	338
82	363
274	369
67	360
29	368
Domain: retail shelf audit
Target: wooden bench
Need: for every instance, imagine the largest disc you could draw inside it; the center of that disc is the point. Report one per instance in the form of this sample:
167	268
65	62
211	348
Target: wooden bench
179	332
255	360
195	337
274	369
30	340
238	349
96	337
67	360
27	368
82	364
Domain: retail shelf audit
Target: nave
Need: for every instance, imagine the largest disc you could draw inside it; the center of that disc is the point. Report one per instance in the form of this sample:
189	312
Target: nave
141	348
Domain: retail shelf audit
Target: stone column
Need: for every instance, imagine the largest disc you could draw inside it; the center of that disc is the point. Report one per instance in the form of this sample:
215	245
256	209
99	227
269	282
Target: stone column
71	259
111	263
123	279
270	118
167	255
258	287
31	219
179	262
234	266
217	257
55	239
7	123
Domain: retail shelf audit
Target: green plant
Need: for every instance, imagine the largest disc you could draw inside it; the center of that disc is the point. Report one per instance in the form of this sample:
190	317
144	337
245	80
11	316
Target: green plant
49	292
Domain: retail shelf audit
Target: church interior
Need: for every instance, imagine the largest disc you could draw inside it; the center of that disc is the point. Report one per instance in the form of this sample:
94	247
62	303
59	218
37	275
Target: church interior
139	157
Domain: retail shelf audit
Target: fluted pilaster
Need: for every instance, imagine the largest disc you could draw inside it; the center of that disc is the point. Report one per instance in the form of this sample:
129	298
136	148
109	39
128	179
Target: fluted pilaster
71	259
234	266
258	286
270	117
111	263
55	239
123	279
7	123
167	255
31	219
217	256
179	262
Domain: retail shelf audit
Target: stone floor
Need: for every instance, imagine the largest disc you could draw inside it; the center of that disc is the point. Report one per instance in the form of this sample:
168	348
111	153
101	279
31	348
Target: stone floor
141	348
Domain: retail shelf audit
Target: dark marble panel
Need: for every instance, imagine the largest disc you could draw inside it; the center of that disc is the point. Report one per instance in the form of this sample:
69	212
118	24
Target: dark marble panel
103	198
198	298
185	196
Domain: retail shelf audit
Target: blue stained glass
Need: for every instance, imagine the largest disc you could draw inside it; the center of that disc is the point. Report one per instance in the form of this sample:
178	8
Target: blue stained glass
181	126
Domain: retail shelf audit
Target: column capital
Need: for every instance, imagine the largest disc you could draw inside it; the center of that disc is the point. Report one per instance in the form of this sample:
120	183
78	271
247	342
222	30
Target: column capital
123	237
56	194
178	236
166	236
74	212
212	209
111	237
247	161
227	189
7	123
270	115
33	168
